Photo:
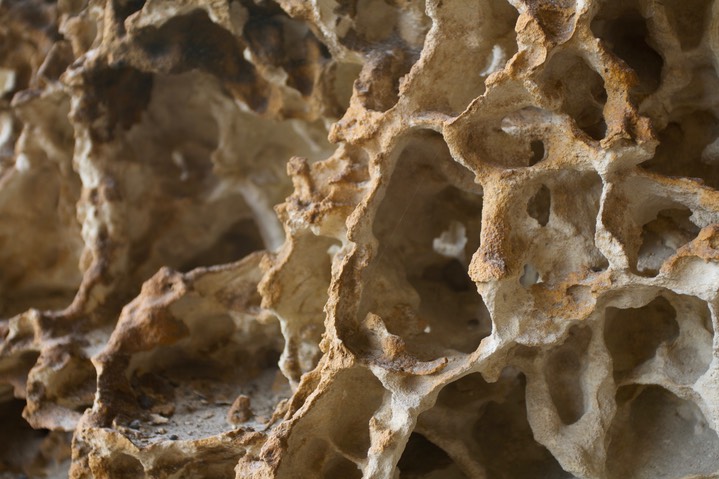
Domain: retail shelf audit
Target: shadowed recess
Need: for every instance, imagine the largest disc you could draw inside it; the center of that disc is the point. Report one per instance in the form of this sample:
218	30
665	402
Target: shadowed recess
624	31
194	42
633	335
656	435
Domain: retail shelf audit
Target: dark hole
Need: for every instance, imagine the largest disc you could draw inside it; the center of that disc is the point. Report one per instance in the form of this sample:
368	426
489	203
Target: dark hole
596	130
238	241
195	42
456	277
119	93
626	37
124	466
537	147
684	148
633	335
378	83
341	467
582	90
125	8
421	457
19	443
600	95
539	205
564	370
145	402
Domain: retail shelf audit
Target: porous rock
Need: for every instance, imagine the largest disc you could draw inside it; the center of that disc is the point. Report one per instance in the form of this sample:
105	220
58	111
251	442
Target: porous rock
365	238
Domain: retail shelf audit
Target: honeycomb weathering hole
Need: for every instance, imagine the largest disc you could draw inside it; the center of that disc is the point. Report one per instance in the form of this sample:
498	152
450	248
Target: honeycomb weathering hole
483	427
657	434
633	335
489	45
662	237
538	153
688	21
582	91
417	239
28	452
624	31
689	147
428	227
669	336
422	458
381	22
565	367
539	205
331	449
42	169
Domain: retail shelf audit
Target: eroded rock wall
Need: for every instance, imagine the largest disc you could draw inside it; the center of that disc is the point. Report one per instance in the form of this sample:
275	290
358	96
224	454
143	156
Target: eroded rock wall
359	238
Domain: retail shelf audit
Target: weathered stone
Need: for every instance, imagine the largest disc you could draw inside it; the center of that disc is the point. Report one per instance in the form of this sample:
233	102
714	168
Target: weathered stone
369	238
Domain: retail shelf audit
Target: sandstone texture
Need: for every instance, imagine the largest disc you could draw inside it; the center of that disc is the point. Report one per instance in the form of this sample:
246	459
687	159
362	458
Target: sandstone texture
380	239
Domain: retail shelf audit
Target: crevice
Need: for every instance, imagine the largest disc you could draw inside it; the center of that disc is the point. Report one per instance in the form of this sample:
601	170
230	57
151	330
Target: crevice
29	36
340	466
214	367
224	375
557	18
124	466
484	428
343	77
555	230
41	240
216	462
71	385
377	86
301	308
115	99
380	22
202	189
688	358
487	44
510	141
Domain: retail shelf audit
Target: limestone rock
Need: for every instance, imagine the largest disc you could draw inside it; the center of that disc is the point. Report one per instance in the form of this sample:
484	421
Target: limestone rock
359	239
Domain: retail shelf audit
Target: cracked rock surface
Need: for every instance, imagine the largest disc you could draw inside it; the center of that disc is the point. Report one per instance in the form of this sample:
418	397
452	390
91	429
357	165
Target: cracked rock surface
379	239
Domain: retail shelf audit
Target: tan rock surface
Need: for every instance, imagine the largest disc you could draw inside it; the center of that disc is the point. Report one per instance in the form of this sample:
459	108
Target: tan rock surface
411	239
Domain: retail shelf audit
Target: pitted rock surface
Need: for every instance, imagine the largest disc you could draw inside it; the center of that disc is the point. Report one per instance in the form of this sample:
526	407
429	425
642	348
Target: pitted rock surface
380	239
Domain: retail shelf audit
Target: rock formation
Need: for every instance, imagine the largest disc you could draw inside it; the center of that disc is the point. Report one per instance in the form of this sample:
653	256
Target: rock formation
376	239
